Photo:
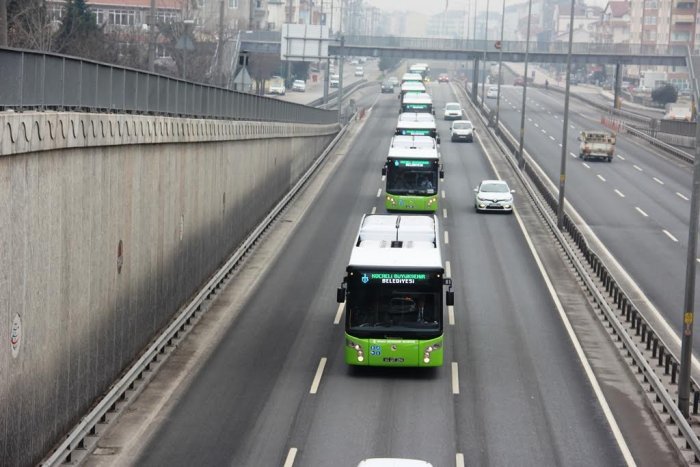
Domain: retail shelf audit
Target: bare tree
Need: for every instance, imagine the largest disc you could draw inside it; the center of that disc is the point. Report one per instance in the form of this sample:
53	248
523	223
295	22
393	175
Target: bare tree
29	25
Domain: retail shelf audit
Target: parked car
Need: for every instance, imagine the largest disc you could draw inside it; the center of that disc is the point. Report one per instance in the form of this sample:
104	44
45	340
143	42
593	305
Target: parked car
462	130
492	93
453	111
387	87
443	78
493	195
299	85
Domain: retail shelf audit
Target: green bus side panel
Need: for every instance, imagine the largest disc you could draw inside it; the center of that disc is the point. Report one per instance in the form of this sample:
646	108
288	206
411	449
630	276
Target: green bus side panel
411	203
393	352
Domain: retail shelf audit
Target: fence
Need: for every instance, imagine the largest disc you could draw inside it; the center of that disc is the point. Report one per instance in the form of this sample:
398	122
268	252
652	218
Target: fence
42	81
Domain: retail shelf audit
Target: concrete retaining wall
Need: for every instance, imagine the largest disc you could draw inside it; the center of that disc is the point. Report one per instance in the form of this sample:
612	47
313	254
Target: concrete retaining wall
107	225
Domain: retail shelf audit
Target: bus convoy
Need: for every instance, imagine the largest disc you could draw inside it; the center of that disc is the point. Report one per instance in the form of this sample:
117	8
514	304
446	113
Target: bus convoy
395	290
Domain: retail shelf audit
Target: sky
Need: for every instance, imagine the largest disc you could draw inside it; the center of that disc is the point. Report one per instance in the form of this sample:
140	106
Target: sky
431	7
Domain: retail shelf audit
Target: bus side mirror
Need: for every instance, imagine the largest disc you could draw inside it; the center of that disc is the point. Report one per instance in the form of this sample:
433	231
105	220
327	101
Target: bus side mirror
442	174
450	298
384	170
340	295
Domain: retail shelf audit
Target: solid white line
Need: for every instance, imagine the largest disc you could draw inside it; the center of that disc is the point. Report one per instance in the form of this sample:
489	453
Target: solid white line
317	378
448	269
339	313
443	194
622	158
551	137
657	180
602	179
447	238
379	193
459	461
668	234
455	378
682	196
444	213
641	212
586	165
374	209
451	315
638	168
619	193
290	457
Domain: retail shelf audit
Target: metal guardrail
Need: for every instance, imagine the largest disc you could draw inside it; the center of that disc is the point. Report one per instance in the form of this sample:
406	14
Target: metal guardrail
34	80
626	311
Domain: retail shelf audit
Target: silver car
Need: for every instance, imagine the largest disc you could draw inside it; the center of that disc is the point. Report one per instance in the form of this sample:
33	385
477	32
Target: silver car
493	195
453	111
462	130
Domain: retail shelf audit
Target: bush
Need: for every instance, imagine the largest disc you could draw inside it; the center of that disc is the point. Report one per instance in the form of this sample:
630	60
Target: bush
665	94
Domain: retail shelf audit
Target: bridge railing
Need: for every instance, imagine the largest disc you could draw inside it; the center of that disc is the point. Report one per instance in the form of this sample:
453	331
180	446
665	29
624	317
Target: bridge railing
34	80
511	46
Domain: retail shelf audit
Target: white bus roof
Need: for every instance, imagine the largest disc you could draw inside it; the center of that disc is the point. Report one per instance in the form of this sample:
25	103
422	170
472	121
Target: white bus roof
415	240
414	153
411	77
412	86
417	98
413	141
416	117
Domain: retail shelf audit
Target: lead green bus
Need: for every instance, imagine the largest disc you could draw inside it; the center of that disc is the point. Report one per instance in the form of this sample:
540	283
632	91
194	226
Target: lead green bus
412	172
395	293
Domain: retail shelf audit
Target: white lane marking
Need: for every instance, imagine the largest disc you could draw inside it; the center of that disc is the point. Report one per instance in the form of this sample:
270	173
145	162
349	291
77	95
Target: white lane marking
455	378
561	145
621	158
536	125
551	137
379	193
586	165
622	444
572	154
572	127
544	131
444	213
619	193
317	378
529	119
447	238
374	209
698	260
660	182
682	196
638	168
443	194
668	234
383	177
641	212
339	313
451	315
448	269
602	179
459	460
290	457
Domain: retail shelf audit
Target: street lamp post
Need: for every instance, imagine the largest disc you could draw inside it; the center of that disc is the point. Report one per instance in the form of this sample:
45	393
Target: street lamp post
483	65
500	65
521	156
565	131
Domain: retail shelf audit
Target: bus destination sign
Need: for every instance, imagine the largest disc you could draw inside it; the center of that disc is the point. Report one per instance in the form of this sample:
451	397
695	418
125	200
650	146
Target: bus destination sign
415	132
411	163
394	277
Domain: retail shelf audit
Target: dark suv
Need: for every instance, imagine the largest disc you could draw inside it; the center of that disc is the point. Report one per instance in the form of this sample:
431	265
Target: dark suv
387	87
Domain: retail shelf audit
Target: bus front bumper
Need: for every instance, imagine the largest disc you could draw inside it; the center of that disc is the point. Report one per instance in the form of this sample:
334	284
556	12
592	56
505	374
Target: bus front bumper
393	352
411	203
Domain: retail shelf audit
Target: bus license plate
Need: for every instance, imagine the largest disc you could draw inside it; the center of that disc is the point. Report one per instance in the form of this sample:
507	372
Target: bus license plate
393	359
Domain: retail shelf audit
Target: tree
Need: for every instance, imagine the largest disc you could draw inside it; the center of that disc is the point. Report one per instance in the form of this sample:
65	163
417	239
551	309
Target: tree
29	25
79	34
665	94
388	63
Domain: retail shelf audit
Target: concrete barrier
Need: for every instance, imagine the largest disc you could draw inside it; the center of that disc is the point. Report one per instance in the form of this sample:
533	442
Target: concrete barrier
108	223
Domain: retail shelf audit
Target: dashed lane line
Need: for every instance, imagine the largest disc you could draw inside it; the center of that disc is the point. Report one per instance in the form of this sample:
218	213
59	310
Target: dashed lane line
660	182
639	210
379	193
291	455
455	378
638	168
619	193
317	377
447	237
602	179
339	313
621	157
586	165
669	235
682	196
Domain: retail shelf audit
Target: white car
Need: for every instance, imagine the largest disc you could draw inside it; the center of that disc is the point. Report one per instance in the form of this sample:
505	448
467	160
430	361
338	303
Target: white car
359	71
462	130
493	195
299	85
453	111
334	81
492	93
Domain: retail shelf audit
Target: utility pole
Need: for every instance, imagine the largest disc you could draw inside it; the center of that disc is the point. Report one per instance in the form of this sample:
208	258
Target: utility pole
521	152
151	38
220	47
3	23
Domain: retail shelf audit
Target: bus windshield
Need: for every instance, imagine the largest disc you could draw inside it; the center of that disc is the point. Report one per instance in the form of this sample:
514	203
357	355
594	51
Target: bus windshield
411	177
394	304
410	107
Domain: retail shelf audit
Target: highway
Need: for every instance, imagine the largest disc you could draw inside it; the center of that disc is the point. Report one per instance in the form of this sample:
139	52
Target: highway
275	388
638	205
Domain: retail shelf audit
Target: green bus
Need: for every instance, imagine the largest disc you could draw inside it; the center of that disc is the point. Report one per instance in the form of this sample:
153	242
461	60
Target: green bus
395	293
419	102
412	172
417	124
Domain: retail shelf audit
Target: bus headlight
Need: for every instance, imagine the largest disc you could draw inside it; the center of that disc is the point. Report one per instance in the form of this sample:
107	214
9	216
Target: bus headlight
431	201
390	199
429	350
357	348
